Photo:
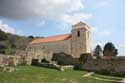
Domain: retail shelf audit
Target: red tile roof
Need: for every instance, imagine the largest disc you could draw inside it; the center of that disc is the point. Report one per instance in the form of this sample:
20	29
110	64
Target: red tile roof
51	39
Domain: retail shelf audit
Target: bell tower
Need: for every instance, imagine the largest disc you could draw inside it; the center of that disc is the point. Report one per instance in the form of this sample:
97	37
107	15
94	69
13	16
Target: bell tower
80	42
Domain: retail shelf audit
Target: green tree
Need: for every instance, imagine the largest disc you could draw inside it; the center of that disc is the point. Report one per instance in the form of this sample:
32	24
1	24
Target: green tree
110	48
31	37
98	51
3	35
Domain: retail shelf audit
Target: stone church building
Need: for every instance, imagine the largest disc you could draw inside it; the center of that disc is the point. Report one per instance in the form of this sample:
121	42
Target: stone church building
75	43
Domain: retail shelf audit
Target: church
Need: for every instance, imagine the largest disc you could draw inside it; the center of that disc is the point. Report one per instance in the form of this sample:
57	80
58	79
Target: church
74	44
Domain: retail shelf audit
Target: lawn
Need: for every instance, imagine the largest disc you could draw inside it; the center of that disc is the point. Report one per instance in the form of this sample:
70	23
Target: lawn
32	74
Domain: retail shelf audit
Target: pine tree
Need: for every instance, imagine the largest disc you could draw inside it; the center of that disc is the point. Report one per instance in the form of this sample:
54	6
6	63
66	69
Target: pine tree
110	48
98	51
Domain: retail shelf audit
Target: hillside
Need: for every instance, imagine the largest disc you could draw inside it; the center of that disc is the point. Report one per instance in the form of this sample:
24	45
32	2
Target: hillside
10	42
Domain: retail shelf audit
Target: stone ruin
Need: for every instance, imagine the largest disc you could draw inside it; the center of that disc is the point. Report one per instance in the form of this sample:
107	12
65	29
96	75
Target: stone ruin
112	65
9	60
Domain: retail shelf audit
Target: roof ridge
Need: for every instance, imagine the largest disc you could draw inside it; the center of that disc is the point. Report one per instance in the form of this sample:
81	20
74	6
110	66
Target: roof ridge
58	35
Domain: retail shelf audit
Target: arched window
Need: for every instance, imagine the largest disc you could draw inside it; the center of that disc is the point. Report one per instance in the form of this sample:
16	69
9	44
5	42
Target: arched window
78	33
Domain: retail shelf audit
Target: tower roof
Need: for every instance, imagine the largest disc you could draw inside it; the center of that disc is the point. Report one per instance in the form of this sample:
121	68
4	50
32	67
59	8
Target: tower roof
80	25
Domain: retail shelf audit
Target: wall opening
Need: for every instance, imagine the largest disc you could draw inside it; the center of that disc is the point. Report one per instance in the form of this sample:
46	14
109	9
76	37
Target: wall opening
44	61
35	61
78	33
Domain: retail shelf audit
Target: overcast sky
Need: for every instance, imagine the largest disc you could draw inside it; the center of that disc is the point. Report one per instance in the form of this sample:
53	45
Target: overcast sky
106	18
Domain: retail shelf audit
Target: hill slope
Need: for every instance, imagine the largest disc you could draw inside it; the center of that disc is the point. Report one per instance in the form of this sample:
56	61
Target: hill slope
10	42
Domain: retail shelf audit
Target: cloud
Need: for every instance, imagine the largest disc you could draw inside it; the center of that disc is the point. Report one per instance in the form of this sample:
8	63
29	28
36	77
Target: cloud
6	28
103	3
76	17
59	10
105	33
94	29
101	32
121	45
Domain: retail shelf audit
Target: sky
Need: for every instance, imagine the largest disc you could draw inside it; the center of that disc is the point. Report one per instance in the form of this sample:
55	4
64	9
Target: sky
106	18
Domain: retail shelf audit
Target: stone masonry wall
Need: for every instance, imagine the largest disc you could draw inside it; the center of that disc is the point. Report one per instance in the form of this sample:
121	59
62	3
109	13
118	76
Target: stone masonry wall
46	50
9	60
113	66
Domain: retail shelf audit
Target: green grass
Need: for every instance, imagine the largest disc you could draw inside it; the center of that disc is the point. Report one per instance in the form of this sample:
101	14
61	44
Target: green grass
31	74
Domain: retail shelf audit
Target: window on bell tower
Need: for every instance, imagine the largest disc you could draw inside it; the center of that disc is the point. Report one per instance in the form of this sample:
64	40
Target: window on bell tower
78	33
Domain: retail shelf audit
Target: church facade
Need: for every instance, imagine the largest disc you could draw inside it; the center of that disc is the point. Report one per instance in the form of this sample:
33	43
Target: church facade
75	43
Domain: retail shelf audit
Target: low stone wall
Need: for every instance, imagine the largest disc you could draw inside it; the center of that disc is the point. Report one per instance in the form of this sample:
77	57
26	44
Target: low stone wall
54	65
9	60
112	66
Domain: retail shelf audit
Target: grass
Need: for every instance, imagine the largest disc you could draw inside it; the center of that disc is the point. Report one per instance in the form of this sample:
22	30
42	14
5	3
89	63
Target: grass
31	74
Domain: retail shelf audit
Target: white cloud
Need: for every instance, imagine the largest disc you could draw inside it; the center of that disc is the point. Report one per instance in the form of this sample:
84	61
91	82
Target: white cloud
6	28
76	17
94	29
56	8
121	45
68	11
101	32
105	33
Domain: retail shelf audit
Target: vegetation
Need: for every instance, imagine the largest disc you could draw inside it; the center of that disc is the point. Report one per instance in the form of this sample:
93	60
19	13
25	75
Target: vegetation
31	74
110	48
10	42
98	51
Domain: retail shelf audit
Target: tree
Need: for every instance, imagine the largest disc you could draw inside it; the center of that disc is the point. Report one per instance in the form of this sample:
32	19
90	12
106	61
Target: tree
31	37
9	43
110	50
3	46
3	35
116	52
98	51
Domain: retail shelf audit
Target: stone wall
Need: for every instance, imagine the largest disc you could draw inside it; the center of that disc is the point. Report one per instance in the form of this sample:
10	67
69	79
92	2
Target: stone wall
46	50
9	60
56	47
112	66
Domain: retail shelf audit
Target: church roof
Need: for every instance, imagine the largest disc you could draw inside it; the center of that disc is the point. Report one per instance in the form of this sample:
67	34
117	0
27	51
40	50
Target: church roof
51	39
